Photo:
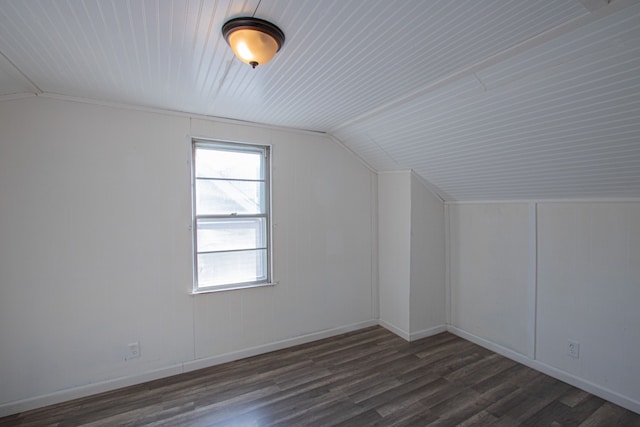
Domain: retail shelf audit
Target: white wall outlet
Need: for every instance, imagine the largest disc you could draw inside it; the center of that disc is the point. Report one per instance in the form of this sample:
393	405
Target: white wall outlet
573	349
133	350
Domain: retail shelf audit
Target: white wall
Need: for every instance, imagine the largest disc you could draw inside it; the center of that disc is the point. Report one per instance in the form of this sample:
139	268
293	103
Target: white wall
95	249
394	250
527	277
427	299
411	256
589	290
95	252
488	272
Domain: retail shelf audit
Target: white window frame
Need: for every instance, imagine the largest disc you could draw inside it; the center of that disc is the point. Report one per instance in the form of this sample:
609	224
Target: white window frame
233	146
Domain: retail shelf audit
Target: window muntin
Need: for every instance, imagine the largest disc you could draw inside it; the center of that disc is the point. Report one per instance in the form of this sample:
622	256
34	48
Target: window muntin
231	215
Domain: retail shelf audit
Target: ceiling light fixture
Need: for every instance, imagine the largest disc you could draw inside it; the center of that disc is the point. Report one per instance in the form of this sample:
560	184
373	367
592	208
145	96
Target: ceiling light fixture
254	41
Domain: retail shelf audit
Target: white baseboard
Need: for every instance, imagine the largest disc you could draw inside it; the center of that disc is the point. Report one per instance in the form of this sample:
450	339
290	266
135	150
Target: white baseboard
278	345
103	386
412	336
427	332
588	386
60	396
167	371
399	332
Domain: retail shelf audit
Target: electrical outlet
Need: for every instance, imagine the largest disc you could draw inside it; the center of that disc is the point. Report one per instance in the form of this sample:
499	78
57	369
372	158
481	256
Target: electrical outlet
573	349
133	350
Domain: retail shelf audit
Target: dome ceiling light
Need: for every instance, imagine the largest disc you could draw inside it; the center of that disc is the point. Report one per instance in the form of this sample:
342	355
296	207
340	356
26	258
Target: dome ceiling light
254	41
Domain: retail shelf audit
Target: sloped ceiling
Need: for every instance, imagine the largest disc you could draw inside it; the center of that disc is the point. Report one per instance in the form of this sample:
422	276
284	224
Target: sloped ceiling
484	99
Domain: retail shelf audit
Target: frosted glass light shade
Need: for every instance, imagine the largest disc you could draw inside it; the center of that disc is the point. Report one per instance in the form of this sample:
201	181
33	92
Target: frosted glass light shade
252	46
253	40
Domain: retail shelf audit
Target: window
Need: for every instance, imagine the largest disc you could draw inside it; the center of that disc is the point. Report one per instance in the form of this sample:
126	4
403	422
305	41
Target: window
231	215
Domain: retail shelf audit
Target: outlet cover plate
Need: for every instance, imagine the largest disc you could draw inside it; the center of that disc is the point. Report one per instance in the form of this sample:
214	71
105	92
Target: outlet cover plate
573	349
133	351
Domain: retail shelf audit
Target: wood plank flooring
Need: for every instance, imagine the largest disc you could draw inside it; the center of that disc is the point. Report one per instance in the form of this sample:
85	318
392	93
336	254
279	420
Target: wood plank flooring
364	378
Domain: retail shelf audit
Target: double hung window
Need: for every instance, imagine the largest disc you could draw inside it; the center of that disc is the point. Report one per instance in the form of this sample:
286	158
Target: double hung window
231	215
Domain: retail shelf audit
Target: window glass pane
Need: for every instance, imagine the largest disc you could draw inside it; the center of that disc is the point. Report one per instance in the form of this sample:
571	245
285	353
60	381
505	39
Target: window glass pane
231	182
215	197
222	163
231	234
224	268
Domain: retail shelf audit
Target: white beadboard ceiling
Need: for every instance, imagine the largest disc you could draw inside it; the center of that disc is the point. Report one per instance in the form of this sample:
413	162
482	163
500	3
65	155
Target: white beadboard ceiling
484	99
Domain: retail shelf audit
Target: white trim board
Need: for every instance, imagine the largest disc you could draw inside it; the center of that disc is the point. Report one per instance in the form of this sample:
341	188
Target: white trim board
19	95
427	332
605	393
532	280
394	329
176	113
167	371
412	336
103	386
527	201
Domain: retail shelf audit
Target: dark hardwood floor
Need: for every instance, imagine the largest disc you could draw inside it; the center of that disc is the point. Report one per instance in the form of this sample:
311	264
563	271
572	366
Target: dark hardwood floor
365	378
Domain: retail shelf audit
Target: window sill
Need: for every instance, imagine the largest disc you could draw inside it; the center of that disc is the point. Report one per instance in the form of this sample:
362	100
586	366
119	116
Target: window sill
232	288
